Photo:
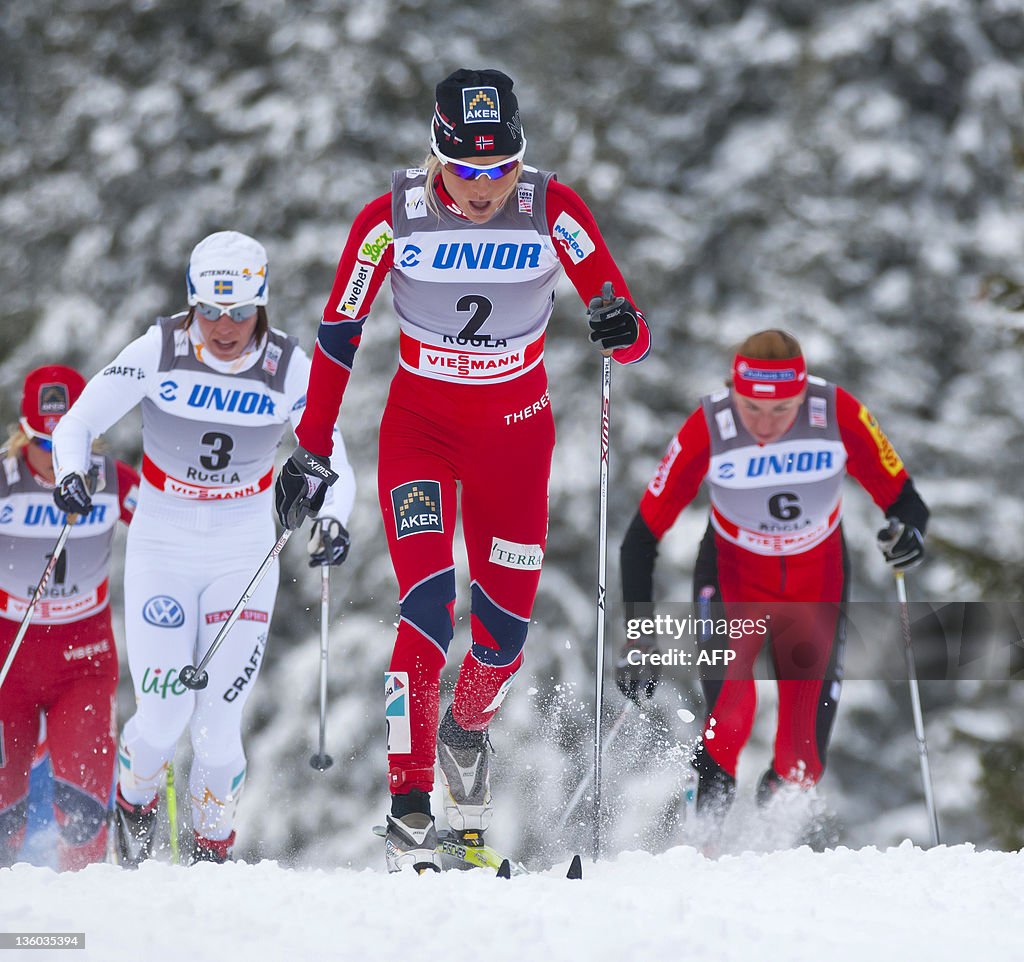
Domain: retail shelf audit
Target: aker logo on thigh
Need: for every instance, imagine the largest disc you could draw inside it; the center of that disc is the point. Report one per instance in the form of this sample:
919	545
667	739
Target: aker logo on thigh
417	507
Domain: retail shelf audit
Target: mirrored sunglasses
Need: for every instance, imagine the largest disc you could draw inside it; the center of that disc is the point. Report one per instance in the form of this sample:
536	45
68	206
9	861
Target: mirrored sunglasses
44	444
239	313
476	171
472	172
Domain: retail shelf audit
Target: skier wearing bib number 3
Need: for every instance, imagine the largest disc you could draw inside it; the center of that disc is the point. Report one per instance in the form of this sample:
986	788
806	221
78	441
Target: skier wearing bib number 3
474	244
773	451
217	387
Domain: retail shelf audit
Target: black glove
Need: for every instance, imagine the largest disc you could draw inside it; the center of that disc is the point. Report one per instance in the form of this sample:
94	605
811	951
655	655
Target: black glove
328	543
73	495
613	321
643	676
902	545
301	487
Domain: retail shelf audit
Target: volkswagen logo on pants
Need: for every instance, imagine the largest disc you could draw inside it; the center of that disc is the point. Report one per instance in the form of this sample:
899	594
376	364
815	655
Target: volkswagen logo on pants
163	612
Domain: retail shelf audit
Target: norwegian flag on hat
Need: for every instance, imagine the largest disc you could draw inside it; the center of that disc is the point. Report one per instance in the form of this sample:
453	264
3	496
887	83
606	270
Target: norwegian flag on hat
484	143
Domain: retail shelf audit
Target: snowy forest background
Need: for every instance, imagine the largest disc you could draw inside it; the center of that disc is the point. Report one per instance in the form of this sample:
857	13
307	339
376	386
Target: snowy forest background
851	171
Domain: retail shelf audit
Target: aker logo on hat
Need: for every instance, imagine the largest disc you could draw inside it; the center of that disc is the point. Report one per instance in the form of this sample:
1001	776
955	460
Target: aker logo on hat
53	399
480	105
417	506
48	395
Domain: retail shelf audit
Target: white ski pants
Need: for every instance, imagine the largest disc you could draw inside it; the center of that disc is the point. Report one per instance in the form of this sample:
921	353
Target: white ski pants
186	567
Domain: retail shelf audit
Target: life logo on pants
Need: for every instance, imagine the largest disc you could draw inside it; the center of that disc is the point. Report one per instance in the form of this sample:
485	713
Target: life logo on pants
162	611
417	506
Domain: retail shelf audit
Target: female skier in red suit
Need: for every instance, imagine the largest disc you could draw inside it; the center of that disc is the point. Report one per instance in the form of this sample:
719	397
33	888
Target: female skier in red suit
773	450
474	243
66	666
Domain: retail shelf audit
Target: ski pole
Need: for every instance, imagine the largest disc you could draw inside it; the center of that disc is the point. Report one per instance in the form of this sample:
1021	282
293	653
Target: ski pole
613	733
602	575
321	761
195	676
62	539
915	704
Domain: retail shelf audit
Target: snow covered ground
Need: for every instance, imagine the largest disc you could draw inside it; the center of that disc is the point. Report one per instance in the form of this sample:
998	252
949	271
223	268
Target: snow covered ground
948	903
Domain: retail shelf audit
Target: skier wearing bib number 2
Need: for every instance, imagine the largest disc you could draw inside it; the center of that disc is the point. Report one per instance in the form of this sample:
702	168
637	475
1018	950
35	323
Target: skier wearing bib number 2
773	451
474	243
218	386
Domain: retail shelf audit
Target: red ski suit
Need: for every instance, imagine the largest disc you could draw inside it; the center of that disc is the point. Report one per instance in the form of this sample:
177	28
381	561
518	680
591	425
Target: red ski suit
66	668
467	425
746	571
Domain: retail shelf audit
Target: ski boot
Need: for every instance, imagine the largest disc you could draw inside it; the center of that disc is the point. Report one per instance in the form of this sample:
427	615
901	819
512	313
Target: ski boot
767	787
716	788
213	850
136	826
464	757
411	838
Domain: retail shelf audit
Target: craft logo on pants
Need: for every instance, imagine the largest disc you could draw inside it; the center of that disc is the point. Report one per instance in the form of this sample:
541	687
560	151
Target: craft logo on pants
396	712
417	506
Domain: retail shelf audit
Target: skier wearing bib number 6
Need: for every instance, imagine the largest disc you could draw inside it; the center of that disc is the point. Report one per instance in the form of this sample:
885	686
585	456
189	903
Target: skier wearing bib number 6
773	450
474	243
217	386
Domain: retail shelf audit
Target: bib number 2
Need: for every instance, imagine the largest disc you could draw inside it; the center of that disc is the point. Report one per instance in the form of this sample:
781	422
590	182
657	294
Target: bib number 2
479	309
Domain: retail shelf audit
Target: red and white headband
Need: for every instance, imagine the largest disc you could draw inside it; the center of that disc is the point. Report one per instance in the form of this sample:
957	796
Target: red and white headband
756	378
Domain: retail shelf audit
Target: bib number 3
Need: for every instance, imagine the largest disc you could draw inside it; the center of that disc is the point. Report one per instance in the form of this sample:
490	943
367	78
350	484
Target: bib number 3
219	455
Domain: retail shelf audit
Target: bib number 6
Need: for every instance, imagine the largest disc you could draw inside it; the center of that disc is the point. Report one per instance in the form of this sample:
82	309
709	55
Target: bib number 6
785	506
